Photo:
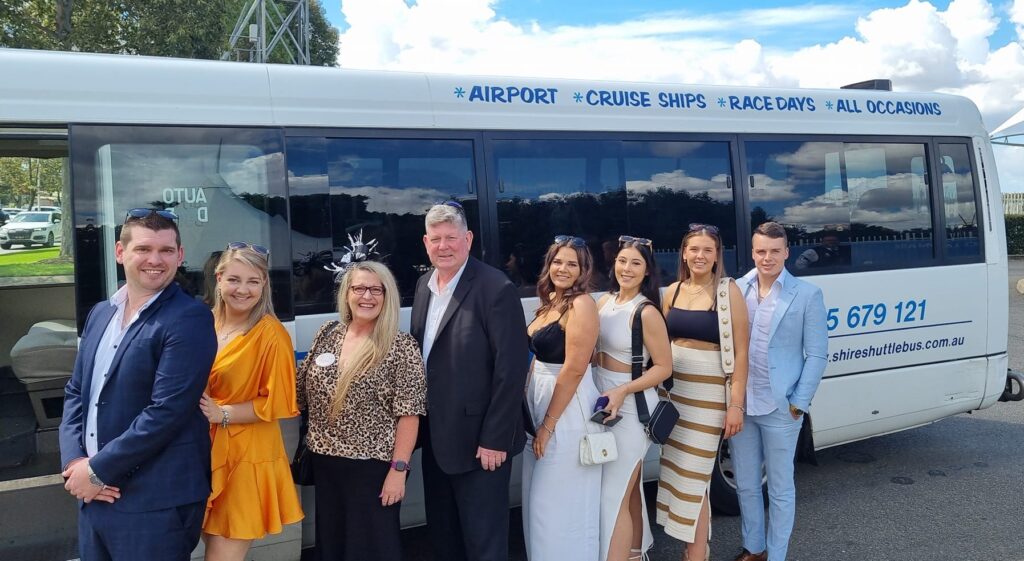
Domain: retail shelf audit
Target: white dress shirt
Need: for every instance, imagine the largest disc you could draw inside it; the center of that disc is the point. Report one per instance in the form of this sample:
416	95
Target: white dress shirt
105	353
759	388
438	305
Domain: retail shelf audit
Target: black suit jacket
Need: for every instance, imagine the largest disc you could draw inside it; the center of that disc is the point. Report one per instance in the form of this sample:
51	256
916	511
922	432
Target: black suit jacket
476	371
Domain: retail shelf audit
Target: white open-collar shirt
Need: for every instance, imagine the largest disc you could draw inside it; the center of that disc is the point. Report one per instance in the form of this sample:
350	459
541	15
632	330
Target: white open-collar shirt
759	387
439	301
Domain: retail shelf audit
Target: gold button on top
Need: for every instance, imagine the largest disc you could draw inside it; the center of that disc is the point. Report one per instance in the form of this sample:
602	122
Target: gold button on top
728	362
725	334
727	348
723	307
723	294
725	321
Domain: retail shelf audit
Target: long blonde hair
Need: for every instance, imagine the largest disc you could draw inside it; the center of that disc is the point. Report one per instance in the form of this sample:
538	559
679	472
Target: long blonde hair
371	352
264	306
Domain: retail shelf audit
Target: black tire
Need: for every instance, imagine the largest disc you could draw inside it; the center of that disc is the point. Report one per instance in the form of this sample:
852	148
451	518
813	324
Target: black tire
49	240
724	499
5	246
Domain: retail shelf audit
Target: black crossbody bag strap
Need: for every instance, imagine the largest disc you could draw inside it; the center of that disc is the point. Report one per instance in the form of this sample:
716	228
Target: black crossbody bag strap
643	414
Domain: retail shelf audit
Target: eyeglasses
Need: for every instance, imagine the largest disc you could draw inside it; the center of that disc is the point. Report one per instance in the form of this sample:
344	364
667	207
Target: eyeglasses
697	227
454	204
573	241
246	245
140	213
630	240
360	290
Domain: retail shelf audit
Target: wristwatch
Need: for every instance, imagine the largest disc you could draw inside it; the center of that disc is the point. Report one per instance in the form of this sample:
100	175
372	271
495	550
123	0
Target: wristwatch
94	479
793	409
400	465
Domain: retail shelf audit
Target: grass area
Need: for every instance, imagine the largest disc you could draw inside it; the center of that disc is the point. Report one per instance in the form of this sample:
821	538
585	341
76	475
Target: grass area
34	263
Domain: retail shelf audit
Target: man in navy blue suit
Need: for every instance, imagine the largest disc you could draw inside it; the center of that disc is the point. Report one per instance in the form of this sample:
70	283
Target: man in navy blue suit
134	445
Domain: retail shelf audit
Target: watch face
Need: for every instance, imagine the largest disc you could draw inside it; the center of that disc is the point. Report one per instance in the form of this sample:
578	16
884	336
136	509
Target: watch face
399	465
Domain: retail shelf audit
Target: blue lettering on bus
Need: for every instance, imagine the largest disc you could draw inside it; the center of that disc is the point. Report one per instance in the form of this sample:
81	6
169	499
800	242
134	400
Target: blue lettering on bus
513	94
681	100
847	106
769	103
618	98
889	107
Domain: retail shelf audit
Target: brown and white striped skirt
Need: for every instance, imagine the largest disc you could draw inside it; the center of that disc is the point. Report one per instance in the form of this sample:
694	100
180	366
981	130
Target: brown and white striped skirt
689	456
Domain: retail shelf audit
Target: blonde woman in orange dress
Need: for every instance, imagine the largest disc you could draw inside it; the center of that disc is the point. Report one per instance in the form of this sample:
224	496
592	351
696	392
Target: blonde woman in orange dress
251	386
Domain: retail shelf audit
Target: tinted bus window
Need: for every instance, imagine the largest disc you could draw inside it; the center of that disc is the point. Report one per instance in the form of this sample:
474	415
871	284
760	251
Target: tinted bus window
674	184
958	200
844	205
225	185
379	189
551	187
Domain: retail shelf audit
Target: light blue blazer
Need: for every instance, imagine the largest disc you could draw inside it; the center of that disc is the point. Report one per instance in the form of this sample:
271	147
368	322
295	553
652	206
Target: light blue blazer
797	341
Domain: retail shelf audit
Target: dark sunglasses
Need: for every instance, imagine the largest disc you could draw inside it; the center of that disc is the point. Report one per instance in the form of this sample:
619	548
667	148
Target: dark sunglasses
572	241
140	213
697	227
246	245
630	240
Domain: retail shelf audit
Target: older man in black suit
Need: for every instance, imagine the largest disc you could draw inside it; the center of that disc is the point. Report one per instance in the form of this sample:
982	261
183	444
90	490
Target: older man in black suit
469	322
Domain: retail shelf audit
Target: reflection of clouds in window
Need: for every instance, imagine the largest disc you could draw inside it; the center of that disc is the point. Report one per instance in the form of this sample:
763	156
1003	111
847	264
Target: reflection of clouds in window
818	213
249	175
558	197
904	219
807	163
307	184
678	180
667	149
772	190
389	200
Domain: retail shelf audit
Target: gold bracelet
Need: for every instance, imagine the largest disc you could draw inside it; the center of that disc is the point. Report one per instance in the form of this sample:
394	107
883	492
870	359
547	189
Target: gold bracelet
550	431
552	416
740	407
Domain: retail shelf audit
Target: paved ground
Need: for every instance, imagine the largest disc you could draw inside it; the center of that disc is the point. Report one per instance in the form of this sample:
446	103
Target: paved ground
950	490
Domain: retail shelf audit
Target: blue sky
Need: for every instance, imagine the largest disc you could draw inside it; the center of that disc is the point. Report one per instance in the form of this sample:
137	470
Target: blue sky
590	12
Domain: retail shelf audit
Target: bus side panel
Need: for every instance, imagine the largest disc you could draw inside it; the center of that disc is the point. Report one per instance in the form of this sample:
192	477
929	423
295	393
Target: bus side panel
864	405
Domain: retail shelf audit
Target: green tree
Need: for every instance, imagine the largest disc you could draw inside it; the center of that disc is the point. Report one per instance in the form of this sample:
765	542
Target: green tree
178	28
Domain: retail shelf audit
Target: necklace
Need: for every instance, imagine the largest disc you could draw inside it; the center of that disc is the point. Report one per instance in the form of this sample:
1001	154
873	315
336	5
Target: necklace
224	337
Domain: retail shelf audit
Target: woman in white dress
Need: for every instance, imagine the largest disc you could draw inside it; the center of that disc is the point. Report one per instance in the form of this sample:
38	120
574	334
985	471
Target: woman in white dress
561	497
625	530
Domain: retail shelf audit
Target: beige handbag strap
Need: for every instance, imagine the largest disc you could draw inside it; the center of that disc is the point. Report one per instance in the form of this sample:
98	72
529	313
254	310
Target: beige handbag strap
586	420
725	324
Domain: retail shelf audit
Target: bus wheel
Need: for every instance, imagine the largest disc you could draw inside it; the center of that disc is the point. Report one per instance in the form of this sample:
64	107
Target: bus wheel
724	499
5	246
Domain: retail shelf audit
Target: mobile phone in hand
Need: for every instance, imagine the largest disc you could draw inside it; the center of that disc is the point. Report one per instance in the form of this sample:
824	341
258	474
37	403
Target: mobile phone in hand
601	414
602	402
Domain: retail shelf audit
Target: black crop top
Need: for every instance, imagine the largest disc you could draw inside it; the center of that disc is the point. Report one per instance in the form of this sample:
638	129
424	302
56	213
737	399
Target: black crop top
700	325
548	342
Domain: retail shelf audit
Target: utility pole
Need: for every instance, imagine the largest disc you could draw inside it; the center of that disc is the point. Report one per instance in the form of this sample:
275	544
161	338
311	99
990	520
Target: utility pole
262	26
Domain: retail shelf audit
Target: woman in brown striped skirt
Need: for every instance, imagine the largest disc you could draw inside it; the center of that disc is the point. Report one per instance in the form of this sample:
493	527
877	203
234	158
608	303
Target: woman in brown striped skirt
704	347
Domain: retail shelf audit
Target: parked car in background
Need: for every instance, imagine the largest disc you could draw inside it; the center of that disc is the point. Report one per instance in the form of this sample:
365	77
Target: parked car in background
12	212
31	227
4	217
47	208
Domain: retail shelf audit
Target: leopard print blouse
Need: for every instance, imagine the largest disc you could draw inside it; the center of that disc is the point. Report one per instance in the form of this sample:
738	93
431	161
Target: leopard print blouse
376	399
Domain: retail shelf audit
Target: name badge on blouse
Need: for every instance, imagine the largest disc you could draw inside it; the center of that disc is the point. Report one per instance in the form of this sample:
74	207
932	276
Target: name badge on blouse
325	359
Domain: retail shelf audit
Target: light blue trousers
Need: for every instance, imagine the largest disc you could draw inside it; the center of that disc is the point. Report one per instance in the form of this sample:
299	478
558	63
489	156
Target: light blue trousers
768	440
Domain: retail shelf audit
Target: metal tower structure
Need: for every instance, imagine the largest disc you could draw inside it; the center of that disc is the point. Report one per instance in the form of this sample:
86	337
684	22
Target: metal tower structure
262	27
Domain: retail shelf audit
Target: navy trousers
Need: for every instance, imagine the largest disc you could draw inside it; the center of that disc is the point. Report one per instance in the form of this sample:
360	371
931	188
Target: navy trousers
106	534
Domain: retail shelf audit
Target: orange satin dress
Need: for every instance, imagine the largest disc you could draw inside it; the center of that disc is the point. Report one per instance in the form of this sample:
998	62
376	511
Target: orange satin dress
253	493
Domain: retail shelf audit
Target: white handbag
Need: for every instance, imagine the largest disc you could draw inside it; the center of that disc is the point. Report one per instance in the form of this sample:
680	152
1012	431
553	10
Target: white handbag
596	448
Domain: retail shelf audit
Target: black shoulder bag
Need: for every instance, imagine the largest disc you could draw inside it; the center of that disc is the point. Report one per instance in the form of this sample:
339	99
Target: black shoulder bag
658	425
302	462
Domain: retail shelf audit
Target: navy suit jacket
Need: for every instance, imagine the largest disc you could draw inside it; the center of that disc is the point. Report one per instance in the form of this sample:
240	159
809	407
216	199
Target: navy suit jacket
476	371
153	441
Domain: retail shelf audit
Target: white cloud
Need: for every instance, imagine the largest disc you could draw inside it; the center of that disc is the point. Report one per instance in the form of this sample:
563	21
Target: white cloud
917	45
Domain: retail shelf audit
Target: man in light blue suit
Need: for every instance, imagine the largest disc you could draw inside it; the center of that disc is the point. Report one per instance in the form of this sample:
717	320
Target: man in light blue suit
134	445
788	346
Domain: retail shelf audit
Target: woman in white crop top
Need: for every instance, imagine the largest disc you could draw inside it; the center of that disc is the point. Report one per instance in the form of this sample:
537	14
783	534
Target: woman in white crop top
625	530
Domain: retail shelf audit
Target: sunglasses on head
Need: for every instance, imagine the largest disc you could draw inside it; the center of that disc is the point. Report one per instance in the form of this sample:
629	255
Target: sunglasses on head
630	240
572	241
246	245
452	203
140	213
697	227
